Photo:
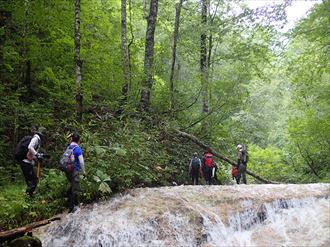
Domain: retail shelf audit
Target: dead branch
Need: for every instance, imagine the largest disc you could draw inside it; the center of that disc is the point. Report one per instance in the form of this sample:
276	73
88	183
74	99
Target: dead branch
11	234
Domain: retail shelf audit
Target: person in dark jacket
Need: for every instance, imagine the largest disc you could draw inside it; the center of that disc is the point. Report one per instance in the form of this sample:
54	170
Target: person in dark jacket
241	164
195	169
74	176
28	164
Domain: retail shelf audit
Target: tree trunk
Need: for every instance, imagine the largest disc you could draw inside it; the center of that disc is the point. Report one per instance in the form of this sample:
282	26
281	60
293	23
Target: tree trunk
203	65
149	56
125	52
11	234
78	63
4	17
175	39
26	66
206	147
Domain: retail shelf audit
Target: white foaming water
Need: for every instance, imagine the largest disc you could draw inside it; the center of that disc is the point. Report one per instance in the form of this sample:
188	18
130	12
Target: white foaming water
254	215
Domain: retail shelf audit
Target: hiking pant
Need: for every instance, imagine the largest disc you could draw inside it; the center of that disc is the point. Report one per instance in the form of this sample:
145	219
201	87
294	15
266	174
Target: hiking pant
241	173
73	191
195	176
30	175
208	175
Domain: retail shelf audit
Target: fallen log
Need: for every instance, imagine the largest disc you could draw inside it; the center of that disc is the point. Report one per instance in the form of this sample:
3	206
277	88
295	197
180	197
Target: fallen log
17	232
215	153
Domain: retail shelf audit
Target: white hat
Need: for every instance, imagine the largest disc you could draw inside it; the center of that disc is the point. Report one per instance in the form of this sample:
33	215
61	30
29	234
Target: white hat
239	146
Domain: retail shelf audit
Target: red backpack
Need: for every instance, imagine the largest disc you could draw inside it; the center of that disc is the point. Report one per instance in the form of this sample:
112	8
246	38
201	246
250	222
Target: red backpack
208	161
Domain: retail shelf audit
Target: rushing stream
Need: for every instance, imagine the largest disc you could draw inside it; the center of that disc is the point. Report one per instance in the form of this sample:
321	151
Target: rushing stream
252	215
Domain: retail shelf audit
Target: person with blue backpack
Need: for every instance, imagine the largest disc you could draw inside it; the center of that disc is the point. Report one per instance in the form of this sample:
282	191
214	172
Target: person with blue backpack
73	172
195	169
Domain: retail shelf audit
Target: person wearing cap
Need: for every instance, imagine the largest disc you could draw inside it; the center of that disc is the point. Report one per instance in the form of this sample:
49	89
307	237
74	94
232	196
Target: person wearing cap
28	164
241	164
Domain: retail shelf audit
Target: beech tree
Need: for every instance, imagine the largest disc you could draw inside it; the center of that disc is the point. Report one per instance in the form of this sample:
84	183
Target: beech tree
203	60
125	51
175	40
149	56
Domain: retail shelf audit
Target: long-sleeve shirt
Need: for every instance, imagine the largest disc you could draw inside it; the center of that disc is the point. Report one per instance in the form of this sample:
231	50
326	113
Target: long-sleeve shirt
33	149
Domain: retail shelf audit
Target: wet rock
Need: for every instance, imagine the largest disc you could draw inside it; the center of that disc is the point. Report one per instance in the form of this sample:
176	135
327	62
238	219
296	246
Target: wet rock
26	241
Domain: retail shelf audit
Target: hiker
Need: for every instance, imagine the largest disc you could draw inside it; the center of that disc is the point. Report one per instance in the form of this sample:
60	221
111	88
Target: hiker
74	176
241	164
195	169
209	167
28	164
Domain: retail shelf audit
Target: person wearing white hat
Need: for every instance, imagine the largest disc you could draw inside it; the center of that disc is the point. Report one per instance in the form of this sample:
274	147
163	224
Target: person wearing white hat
28	164
241	164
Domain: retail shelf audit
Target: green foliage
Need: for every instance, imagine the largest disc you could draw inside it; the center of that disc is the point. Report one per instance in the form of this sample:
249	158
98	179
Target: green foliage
270	163
278	107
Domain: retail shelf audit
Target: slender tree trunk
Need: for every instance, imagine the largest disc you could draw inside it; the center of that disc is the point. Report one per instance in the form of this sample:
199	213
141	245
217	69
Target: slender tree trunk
125	50
210	47
4	16
203	61
124	47
26	66
175	39
149	56
78	63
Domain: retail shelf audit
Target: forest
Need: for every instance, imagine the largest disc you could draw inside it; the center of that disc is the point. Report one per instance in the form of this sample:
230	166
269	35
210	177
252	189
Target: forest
131	75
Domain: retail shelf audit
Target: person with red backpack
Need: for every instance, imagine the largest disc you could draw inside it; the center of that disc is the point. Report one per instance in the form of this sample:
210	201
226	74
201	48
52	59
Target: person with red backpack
209	167
195	169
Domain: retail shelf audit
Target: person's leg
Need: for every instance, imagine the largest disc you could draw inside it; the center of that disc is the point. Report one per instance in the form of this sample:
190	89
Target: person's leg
34	179
69	192
244	174
195	176
30	177
208	175
75	188
239	173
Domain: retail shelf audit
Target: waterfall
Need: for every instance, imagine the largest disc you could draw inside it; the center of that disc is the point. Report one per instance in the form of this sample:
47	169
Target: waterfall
244	215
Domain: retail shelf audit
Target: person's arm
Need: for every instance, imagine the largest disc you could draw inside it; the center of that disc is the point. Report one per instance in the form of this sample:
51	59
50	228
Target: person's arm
82	163
190	166
33	143
200	168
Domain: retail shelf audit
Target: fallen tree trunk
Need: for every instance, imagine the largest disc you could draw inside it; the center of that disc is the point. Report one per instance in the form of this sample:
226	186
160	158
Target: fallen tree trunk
17	232
204	146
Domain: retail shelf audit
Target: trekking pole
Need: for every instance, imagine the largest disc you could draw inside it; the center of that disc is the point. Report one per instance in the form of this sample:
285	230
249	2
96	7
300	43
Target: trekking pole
38	169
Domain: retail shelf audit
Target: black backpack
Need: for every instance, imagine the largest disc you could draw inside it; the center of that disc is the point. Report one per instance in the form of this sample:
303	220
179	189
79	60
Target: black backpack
195	163
245	156
22	148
